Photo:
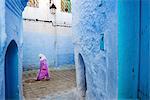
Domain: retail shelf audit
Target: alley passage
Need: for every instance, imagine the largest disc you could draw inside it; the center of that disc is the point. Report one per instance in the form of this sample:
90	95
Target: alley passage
61	82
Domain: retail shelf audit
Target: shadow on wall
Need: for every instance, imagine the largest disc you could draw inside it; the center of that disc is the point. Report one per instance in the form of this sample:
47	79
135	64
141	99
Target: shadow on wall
82	86
11	72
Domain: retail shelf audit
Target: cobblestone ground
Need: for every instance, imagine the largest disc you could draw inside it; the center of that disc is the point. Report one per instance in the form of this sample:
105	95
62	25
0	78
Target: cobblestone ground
60	87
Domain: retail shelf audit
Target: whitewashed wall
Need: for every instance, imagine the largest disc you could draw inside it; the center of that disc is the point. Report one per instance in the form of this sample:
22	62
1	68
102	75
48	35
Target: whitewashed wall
43	12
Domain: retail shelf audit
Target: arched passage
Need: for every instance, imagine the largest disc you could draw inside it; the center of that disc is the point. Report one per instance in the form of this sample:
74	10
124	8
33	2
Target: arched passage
11	72
82	75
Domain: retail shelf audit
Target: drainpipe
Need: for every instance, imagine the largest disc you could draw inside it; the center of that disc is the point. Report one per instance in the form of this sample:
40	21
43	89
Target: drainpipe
55	43
53	12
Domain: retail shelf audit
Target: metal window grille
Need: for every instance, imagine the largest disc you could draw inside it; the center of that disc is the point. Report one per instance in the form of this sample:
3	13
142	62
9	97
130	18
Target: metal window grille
66	6
33	3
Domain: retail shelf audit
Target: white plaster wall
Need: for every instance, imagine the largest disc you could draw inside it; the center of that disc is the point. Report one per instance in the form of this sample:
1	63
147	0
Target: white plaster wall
43	12
62	16
39	27
42	27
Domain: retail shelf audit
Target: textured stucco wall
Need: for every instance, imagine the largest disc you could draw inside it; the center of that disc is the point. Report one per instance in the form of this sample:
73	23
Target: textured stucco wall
13	31
2	32
90	20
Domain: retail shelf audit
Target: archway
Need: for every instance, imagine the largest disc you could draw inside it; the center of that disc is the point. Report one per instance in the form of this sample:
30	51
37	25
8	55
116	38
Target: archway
82	75
11	72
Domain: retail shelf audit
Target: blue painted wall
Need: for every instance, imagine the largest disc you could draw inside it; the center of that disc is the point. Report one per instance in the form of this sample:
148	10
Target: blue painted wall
144	79
128	41
90	19
35	43
2	38
65	52
11	29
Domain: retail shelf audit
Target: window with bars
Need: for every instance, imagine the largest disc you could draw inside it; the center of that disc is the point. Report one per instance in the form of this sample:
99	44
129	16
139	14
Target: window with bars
33	3
66	6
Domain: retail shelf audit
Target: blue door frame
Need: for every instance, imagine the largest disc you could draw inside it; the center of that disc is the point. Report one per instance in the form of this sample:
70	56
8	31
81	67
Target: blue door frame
133	49
128	49
144	70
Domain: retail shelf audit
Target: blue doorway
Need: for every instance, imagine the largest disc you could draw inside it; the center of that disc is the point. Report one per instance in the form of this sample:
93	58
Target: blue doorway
82	75
11	72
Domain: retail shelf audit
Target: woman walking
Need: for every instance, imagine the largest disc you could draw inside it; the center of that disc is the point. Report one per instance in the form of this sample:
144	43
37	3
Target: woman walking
43	72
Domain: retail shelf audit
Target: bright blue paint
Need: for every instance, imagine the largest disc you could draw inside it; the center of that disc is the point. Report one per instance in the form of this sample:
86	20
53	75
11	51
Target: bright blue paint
65	59
102	41
128	41
35	43
144	82
90	19
11	29
11	72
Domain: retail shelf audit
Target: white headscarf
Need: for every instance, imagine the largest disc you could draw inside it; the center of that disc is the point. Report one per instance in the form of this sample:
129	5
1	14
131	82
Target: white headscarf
42	57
